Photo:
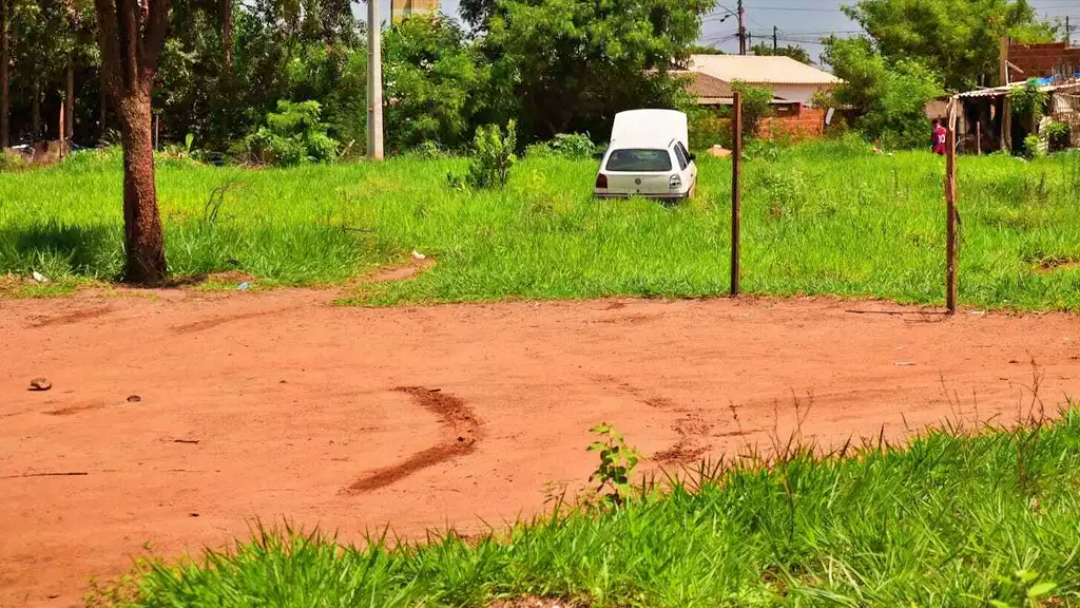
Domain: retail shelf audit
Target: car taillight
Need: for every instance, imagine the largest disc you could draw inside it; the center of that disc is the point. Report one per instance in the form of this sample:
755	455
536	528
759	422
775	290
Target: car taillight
601	181
675	182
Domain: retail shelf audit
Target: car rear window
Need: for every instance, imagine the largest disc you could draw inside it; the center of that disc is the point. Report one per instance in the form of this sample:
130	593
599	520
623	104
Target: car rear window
635	161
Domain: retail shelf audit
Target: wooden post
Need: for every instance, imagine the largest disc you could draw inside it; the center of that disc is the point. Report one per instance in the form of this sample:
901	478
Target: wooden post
62	130
951	245
978	135
736	192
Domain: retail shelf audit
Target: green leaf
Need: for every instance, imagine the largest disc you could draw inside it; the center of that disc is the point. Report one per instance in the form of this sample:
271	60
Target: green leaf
1041	589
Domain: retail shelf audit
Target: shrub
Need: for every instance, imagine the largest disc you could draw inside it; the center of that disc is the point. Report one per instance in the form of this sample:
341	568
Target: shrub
573	146
1033	147
756	104
708	129
292	135
1058	134
493	156
11	161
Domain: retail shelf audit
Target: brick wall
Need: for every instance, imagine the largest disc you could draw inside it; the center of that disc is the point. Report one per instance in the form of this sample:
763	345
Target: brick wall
1043	60
809	123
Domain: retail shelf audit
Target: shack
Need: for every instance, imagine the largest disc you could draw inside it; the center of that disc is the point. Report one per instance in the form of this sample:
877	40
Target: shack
985	121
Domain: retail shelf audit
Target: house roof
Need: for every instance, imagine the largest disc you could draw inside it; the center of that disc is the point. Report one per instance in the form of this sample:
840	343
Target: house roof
699	84
1004	90
712	91
759	70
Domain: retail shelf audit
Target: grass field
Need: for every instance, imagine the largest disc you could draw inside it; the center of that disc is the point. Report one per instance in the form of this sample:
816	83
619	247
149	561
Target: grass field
827	218
947	521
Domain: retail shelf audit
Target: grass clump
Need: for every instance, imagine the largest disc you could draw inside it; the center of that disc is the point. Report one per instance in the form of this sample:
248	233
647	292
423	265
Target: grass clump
820	218
950	520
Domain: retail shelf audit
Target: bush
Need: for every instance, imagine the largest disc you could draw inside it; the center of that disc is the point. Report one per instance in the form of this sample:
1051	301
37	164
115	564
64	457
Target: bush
1058	134
11	161
573	146
708	129
493	156
1033	147
292	135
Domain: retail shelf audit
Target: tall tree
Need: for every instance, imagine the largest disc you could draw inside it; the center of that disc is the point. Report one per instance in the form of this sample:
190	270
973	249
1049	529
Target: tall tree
958	39
132	37
573	64
5	76
795	52
226	31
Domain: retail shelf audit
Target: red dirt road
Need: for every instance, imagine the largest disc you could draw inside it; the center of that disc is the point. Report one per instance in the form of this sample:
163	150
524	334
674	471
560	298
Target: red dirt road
189	415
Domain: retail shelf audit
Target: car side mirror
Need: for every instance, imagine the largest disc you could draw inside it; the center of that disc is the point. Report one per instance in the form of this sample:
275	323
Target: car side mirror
692	157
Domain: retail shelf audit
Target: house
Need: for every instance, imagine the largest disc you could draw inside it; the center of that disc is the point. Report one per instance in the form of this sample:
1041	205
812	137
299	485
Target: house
794	85
711	92
787	78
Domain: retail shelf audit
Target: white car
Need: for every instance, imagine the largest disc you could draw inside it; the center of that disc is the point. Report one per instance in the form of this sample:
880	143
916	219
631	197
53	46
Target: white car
648	157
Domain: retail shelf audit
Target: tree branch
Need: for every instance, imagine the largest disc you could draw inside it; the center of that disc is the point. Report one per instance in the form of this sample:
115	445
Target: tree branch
109	39
127	17
157	28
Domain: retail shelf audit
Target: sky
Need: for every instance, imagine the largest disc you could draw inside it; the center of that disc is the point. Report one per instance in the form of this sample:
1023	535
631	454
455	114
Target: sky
801	22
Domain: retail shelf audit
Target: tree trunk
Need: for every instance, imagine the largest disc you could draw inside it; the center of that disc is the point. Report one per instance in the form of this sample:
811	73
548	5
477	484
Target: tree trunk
103	110
143	237
226	32
35	113
69	101
5	78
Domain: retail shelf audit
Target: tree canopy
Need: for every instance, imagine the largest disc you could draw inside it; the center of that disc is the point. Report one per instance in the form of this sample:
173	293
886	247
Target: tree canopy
956	39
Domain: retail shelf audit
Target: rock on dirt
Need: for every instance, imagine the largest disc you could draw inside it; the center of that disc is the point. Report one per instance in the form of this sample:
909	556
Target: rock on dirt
40	384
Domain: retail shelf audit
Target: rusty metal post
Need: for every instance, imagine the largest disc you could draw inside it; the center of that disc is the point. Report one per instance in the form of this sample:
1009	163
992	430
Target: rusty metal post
951	244
736	192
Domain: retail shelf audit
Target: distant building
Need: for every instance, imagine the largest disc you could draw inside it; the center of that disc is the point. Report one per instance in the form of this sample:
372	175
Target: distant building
709	78
787	78
400	9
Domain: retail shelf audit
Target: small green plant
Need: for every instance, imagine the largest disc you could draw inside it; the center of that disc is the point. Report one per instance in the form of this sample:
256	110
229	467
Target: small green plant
292	135
1033	147
617	464
493	156
1058	135
1022	590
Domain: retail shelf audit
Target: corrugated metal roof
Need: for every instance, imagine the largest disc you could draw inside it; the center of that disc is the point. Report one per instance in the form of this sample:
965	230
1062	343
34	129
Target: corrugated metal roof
1001	91
759	70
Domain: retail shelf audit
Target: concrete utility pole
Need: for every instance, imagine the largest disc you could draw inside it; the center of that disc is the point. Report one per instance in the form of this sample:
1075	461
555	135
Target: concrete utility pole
775	38
375	84
742	29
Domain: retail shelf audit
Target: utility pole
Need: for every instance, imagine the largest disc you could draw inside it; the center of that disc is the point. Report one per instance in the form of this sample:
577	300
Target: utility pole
375	84
742	28
775	38
1068	32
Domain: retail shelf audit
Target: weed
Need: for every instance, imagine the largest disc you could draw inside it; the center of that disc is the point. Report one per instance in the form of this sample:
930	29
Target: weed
616	468
493	156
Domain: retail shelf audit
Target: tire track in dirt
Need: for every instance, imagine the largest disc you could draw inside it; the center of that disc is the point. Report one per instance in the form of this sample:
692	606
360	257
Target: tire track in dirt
692	428
212	323
462	431
72	317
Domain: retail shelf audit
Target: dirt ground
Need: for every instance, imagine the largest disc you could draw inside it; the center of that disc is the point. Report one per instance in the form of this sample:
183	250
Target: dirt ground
177	418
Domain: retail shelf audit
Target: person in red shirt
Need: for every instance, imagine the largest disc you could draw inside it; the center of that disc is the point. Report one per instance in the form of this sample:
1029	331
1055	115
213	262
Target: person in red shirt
941	136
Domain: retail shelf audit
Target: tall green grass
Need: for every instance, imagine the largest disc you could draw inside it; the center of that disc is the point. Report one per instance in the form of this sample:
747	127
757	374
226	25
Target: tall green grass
825	218
947	521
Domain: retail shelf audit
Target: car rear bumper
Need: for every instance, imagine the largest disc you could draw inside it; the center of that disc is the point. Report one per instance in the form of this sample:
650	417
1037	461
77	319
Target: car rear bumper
672	196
